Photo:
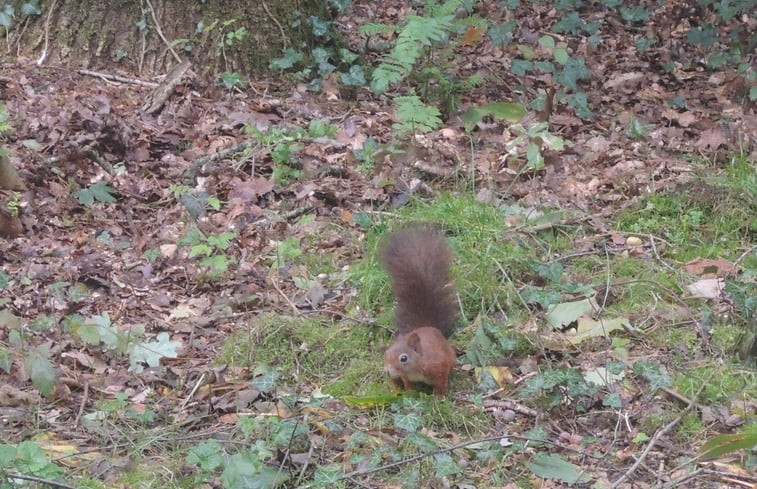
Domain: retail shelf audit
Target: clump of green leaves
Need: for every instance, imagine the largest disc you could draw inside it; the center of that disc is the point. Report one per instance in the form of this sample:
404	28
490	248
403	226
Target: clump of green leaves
99	331
8	12
326	55
284	143
97	192
209	250
26	458
423	54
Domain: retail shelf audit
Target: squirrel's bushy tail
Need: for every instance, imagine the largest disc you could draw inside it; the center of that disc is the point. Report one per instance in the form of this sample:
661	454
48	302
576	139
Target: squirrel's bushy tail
418	261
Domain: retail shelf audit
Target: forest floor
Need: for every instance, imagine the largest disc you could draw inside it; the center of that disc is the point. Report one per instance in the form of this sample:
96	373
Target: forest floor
202	283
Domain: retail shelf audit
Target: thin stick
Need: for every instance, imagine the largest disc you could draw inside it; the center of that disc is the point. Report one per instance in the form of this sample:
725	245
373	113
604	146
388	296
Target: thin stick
43	56
657	437
83	402
40	480
275	21
118	78
160	32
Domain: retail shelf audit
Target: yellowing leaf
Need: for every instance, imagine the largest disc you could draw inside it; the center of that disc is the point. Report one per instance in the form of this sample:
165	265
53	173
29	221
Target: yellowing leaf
472	36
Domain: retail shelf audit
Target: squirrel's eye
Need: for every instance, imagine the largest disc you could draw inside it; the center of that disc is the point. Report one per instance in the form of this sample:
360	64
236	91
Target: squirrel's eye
403	358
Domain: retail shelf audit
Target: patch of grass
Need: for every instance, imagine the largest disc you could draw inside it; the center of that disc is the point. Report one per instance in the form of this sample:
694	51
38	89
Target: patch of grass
690	429
487	259
307	350
728	382
704	218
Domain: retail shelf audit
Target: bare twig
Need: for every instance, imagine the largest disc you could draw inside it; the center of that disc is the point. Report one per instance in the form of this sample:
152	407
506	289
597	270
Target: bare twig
654	250
83	403
43	56
275	21
287	299
659	435
743	255
48	482
118	78
160	32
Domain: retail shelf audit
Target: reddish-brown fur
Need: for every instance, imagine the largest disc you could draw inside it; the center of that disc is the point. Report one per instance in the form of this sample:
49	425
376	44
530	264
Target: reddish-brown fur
418	261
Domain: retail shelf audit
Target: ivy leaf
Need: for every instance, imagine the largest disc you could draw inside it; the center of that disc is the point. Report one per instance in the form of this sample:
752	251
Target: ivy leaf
520	67
408	422
266	382
652	372
151	353
575	69
355	77
445	465
705	35
636	14
289	59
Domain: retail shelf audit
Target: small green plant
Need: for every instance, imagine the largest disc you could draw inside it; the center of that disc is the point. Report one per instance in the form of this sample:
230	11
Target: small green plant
13	205
97	192
8	12
231	80
413	116
209	249
530	142
99	331
366	155
29	459
283	145
196	203
324	56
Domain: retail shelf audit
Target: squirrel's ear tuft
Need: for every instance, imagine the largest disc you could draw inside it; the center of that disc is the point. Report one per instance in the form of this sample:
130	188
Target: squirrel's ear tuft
414	342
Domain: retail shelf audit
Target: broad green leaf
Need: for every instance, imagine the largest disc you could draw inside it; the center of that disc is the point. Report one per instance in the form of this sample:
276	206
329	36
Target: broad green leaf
519	67
601	376
408	422
554	467
547	42
150	353
7	455
612	400
40	370
588	328
246	471
207	455
560	55
561	315
355	77
728	443
266	382
446	465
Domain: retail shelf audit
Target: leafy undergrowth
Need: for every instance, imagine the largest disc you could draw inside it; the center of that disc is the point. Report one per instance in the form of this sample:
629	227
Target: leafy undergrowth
196	300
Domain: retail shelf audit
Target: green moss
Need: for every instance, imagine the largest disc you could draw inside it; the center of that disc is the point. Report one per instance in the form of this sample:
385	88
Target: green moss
722	384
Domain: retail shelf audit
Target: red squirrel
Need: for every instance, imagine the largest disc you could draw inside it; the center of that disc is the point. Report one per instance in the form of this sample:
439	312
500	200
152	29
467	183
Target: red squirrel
418	261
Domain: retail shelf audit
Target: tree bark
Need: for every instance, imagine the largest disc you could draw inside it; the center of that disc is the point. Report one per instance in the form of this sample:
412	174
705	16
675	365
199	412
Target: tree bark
151	36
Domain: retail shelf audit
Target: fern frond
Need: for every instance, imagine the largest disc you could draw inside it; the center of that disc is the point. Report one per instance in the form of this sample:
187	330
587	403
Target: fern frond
418	32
